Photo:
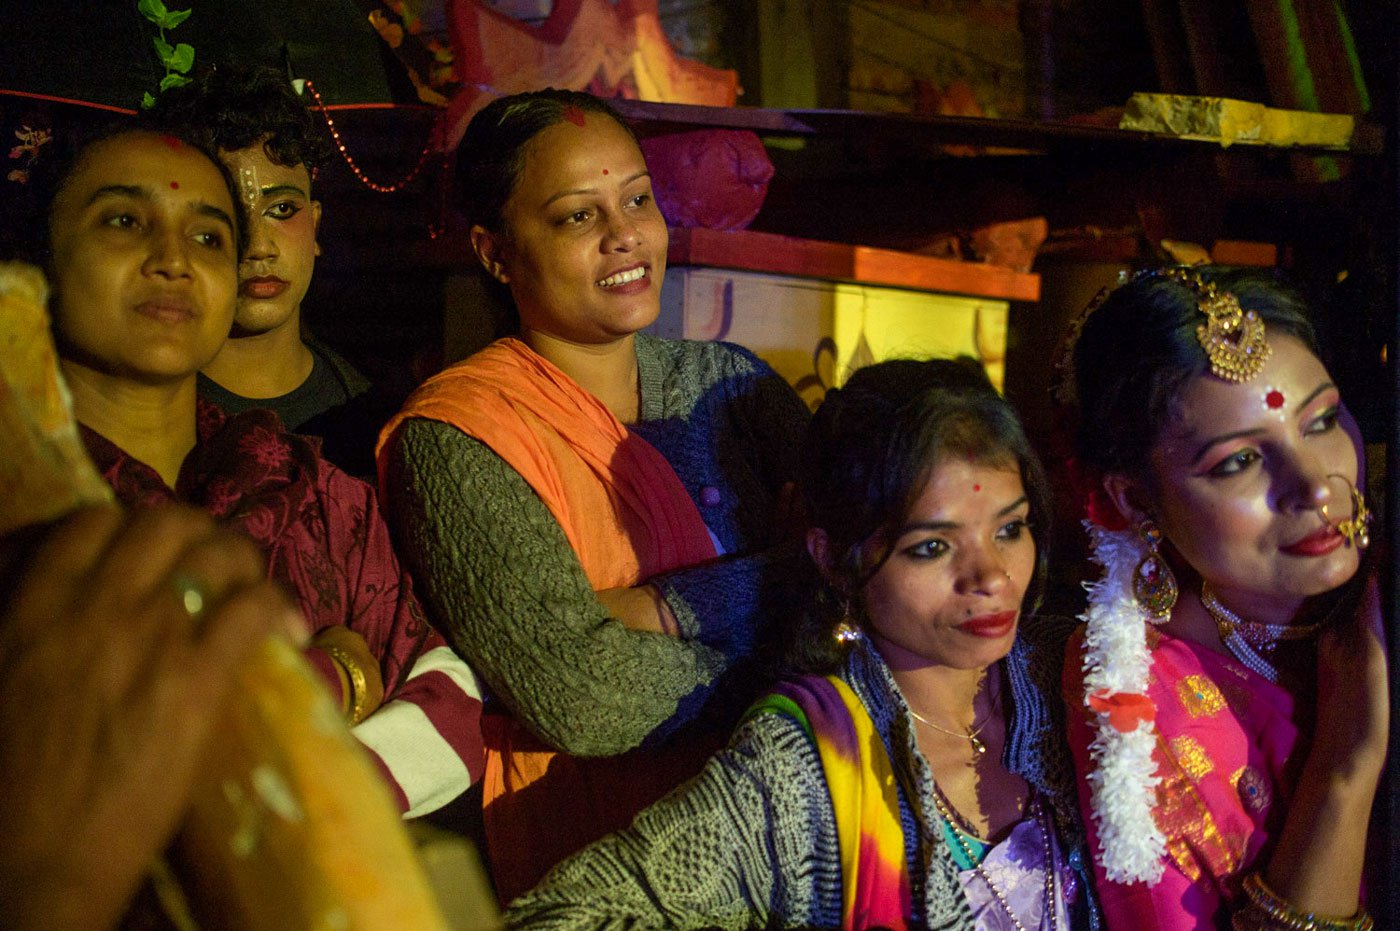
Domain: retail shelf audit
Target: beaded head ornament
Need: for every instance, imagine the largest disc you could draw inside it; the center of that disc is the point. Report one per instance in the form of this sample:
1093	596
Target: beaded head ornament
1232	337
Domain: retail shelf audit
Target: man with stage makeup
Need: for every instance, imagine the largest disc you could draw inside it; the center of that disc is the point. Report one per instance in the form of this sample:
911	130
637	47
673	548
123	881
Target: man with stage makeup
273	147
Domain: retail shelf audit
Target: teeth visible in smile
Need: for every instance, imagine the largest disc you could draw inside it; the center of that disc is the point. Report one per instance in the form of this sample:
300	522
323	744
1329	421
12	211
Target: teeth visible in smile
623	277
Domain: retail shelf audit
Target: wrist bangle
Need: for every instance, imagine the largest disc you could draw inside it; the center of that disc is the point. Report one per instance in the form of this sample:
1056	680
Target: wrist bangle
1276	914
359	686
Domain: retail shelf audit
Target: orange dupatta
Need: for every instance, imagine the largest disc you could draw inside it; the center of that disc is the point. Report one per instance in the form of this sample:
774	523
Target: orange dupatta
618	500
627	517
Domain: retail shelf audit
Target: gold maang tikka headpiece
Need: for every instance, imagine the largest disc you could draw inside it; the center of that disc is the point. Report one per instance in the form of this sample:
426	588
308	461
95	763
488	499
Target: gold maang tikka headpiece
1232	337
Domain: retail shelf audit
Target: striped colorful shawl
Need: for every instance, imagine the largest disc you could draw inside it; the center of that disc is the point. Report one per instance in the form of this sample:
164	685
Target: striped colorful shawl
874	883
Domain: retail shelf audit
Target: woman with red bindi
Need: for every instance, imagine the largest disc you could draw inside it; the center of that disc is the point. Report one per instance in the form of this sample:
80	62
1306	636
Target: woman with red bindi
593	510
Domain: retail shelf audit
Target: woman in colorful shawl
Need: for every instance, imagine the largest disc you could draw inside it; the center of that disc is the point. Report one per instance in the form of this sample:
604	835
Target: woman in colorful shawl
911	773
143	243
1228	692
593	512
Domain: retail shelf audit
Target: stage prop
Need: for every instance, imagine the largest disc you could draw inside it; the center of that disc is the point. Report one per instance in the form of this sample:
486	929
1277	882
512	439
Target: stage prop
101	53
711	178
611	50
816	311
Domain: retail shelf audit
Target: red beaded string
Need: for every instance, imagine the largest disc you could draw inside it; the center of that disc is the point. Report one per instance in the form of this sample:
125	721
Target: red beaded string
345	154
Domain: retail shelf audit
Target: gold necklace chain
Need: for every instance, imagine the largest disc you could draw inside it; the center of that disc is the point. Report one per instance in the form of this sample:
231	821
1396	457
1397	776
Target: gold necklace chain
952	816
970	736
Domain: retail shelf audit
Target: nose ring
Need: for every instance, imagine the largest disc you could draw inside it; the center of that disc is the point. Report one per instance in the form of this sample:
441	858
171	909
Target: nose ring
1356	529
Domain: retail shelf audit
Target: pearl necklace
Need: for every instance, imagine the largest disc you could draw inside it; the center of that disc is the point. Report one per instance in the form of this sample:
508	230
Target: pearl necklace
1242	637
946	810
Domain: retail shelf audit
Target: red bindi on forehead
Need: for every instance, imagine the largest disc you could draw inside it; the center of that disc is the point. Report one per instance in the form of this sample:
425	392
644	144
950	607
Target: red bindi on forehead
976	488
605	171
574	115
174	185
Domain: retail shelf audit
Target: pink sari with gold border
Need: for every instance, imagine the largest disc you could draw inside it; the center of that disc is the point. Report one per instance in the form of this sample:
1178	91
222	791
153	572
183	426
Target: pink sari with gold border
1226	742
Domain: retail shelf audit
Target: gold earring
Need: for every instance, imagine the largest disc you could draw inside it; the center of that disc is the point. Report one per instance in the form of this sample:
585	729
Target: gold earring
1154	583
845	632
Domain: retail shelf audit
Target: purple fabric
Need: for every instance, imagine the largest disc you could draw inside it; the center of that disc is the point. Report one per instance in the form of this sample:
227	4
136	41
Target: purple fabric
712	178
1016	866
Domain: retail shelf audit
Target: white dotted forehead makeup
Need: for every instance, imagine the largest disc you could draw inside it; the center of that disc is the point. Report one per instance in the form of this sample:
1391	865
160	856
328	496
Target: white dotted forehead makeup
248	181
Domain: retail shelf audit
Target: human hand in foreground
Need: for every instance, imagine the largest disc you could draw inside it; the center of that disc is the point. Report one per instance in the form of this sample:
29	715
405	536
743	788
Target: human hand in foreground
1317	863
119	642
1353	690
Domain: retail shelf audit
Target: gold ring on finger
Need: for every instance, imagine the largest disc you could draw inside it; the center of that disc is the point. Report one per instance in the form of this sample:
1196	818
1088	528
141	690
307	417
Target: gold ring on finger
191	592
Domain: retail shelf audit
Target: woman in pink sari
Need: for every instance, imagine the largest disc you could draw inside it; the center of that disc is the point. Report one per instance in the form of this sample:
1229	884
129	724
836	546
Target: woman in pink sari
1230	679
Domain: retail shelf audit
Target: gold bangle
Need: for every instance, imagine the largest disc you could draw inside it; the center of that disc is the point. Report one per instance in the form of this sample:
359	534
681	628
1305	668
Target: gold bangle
359	686
1276	913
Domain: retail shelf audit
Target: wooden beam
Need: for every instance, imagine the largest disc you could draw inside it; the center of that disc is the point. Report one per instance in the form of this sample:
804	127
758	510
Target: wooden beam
787	255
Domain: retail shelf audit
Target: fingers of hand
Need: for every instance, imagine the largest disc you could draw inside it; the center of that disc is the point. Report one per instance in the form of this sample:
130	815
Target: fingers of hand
211	608
131	683
208	567
55	570
133	572
123	591
74	544
188	679
150	743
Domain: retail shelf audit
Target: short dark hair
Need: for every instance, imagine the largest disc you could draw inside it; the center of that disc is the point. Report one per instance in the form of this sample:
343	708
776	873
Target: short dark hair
497	139
234	106
867	455
1139	348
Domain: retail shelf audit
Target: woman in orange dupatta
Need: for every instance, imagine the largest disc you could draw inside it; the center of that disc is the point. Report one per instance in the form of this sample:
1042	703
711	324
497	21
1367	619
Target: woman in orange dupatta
594	512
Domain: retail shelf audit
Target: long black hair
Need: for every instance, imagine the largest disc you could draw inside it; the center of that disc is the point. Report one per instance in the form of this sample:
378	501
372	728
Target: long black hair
867	456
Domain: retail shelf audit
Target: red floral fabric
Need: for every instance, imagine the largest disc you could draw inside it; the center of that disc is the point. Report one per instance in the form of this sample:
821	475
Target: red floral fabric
325	539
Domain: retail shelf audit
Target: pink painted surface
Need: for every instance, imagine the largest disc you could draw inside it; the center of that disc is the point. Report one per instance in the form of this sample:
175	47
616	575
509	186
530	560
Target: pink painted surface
713	178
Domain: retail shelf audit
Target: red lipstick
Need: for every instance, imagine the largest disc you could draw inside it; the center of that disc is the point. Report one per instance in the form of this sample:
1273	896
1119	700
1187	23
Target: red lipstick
1320	543
263	288
990	625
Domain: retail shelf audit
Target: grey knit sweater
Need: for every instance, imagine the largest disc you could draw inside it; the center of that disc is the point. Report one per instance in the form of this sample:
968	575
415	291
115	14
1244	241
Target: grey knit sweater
751	841
505	588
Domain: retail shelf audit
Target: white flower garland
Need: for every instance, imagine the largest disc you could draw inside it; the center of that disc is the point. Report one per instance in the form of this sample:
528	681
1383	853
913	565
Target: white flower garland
1124	779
